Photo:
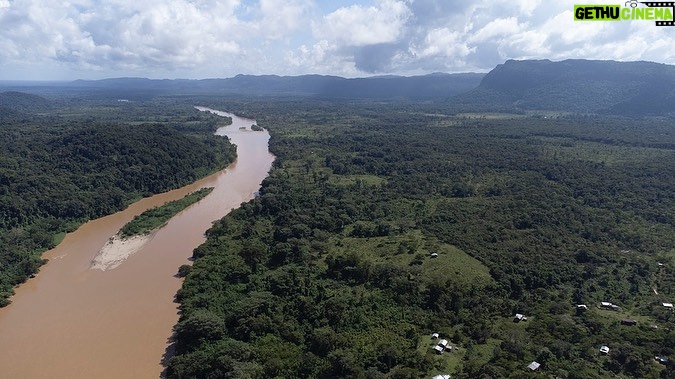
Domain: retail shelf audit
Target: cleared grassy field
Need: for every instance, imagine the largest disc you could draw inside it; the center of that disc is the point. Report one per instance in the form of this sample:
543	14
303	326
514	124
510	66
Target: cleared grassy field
414	249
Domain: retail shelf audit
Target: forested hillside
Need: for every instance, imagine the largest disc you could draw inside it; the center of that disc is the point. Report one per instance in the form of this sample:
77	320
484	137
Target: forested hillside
19	101
381	224
632	89
89	160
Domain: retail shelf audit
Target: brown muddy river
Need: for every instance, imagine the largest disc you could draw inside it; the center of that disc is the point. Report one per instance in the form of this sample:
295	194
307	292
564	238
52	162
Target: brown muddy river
72	321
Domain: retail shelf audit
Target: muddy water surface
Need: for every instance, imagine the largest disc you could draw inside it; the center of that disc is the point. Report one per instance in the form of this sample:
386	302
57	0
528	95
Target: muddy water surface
72	321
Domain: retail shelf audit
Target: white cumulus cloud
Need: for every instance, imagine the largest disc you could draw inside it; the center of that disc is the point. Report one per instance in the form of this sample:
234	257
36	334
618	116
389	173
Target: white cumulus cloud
280	17
358	25
444	42
496	30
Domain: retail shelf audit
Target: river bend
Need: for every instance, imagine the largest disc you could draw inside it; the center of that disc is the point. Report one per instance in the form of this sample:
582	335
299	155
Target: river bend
72	321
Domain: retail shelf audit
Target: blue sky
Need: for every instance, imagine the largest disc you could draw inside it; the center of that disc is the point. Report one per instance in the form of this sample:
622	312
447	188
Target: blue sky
92	39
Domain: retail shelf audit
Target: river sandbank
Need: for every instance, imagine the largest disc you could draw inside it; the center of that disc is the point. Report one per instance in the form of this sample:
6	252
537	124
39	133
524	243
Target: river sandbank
117	250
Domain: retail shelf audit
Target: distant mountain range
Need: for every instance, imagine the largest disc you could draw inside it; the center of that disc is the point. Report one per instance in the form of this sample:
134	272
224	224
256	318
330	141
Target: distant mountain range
581	86
433	86
607	87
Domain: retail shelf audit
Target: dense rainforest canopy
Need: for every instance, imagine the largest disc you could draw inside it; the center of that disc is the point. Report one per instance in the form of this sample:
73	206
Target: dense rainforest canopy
383	223
86	159
380	225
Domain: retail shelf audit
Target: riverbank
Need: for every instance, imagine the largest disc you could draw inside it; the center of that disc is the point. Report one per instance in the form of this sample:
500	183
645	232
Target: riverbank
117	323
139	231
61	170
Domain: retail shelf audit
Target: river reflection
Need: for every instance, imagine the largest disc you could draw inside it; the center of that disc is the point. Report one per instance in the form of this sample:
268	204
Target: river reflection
75	322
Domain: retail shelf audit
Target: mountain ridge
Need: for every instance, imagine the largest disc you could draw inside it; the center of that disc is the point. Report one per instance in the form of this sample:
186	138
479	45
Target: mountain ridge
637	88
436	85
606	87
